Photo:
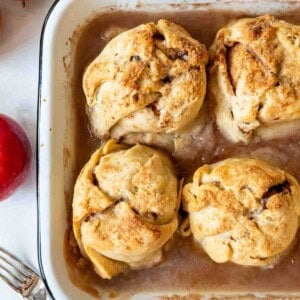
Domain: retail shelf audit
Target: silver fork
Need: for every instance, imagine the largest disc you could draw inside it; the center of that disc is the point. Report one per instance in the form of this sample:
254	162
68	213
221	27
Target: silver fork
20	277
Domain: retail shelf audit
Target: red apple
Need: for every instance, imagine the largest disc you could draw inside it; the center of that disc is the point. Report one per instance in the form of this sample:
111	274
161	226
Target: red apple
15	156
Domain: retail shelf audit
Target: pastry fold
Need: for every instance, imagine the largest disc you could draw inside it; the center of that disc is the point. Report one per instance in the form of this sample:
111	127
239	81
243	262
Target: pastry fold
150	79
243	210
125	207
254	76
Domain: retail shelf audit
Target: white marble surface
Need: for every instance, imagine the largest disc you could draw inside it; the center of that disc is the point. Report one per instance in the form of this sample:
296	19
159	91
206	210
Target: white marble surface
19	50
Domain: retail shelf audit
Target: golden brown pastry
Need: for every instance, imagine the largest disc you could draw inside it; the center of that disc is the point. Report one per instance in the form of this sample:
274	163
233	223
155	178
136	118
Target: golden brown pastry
125	207
254	76
151	79
243	210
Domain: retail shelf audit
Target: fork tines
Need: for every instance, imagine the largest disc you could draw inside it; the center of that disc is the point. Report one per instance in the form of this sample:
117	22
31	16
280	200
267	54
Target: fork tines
16	274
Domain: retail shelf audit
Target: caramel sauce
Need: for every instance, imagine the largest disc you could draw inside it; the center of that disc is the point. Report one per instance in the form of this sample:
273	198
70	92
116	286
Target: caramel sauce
186	268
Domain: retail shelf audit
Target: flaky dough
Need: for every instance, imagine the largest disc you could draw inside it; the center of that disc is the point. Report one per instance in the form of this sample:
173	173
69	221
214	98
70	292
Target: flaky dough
243	210
254	75
150	79
125	207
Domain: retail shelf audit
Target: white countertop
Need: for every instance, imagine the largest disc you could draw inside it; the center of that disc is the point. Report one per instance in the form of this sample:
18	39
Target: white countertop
19	56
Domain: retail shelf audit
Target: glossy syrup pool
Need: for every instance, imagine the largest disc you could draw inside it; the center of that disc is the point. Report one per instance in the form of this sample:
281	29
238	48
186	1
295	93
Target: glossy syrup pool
186	267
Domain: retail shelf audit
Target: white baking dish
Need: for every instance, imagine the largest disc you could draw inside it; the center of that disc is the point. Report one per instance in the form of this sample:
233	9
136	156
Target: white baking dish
55	126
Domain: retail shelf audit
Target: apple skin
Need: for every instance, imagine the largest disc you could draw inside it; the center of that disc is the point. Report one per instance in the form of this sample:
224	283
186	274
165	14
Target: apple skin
15	156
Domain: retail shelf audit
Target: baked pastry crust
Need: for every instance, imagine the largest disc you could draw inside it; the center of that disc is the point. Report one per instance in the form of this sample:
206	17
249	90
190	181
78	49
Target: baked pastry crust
151	79
254	75
243	210
125	207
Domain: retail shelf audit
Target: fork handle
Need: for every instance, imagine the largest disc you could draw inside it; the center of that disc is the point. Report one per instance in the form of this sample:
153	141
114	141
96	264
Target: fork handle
38	292
39	295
